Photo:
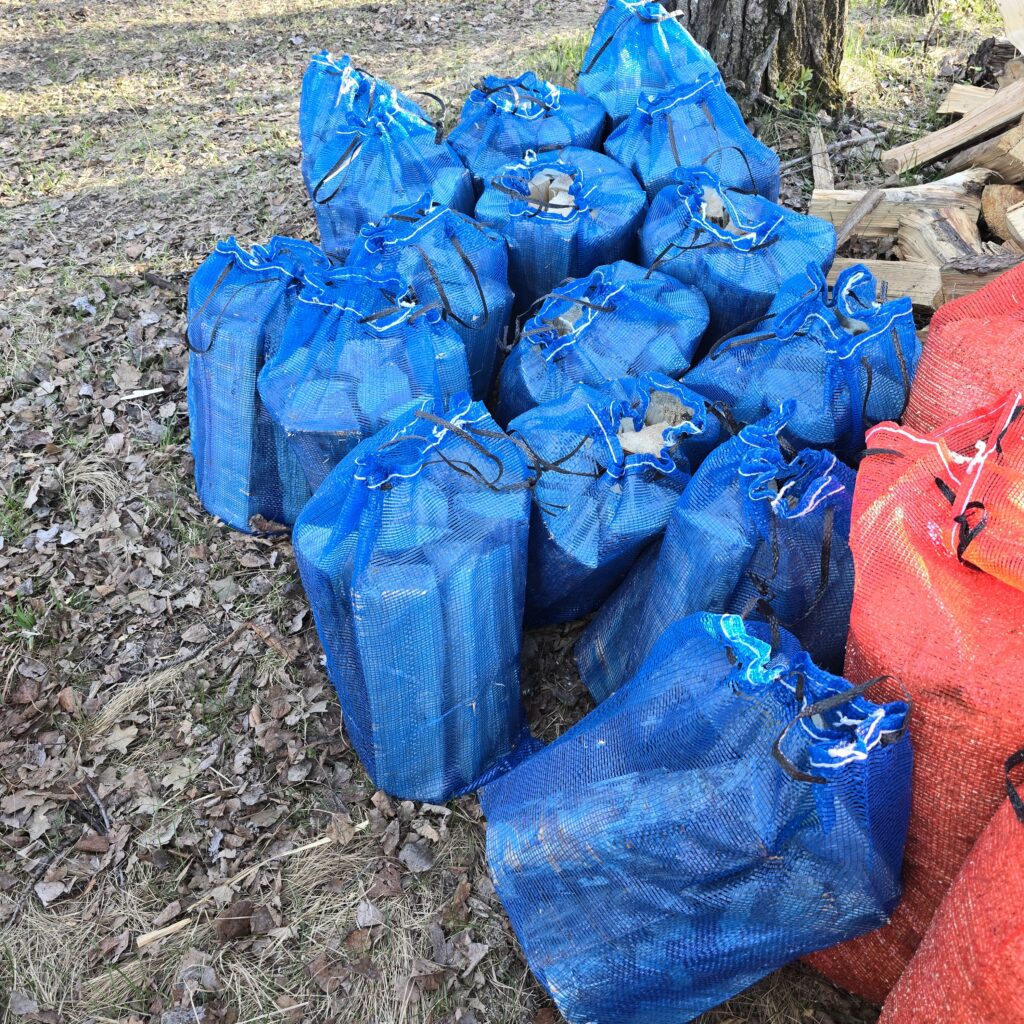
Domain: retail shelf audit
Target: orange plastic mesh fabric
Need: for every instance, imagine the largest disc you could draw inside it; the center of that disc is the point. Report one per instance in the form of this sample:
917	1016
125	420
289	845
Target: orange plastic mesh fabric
989	512
974	353
970	966
954	635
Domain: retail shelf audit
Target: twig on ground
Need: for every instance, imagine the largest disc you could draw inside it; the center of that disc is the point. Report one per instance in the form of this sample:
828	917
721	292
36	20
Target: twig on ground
834	147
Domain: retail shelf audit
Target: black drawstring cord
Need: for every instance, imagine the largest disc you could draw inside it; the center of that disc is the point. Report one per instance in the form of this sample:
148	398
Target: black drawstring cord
209	296
351	151
437	125
738	149
902	360
823	707
1015	761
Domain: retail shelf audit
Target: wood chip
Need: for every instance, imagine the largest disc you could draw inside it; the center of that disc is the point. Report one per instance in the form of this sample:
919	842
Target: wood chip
821	165
965	99
868	203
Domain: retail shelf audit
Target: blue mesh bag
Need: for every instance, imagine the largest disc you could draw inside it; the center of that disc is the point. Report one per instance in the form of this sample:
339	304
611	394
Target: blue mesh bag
413	556
334	91
697	125
366	149
727	811
737	249
238	304
847	361
563	214
447	258
618	321
759	530
504	118
352	356
638	48
612	462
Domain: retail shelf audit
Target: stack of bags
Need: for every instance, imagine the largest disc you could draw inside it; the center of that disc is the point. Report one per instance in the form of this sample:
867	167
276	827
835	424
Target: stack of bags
938	545
526	380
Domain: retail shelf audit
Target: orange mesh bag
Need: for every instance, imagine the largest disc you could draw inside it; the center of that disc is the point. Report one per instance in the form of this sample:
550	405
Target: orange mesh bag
969	968
989	511
974	353
954	636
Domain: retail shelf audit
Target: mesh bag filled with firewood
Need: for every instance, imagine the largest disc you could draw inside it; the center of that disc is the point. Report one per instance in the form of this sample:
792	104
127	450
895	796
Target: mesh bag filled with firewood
618	321
738	249
730	808
846	359
969	968
238	305
354	352
974	352
612	461
504	118
413	556
638	48
563	214
952	634
448	258
760	530
366	149
697	125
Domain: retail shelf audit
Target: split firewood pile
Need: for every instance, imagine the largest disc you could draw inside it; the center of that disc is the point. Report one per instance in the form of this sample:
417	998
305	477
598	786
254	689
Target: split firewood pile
949	237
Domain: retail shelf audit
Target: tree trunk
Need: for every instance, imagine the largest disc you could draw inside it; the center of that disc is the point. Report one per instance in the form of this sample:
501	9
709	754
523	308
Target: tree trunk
762	44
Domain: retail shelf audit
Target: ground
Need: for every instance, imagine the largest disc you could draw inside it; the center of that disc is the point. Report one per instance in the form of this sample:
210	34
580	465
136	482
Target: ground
170	746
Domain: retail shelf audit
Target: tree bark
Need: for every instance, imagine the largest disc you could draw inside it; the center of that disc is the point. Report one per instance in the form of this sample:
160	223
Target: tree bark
762	44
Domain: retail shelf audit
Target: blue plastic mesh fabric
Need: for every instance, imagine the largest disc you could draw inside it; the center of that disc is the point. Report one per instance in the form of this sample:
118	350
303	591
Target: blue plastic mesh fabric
613	461
754	533
447	258
238	303
554	234
737	249
619	321
697	125
503	118
333	91
413	556
351	359
846	360
657	859
366	149
637	48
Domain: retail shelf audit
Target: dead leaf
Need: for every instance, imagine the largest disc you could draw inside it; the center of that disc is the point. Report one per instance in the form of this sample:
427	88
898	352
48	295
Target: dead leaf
69	701
262	921
120	738
113	947
473	952
387	882
417	856
328	974
341	829
21	1004
235	921
368	915
93	844
359	940
49	891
